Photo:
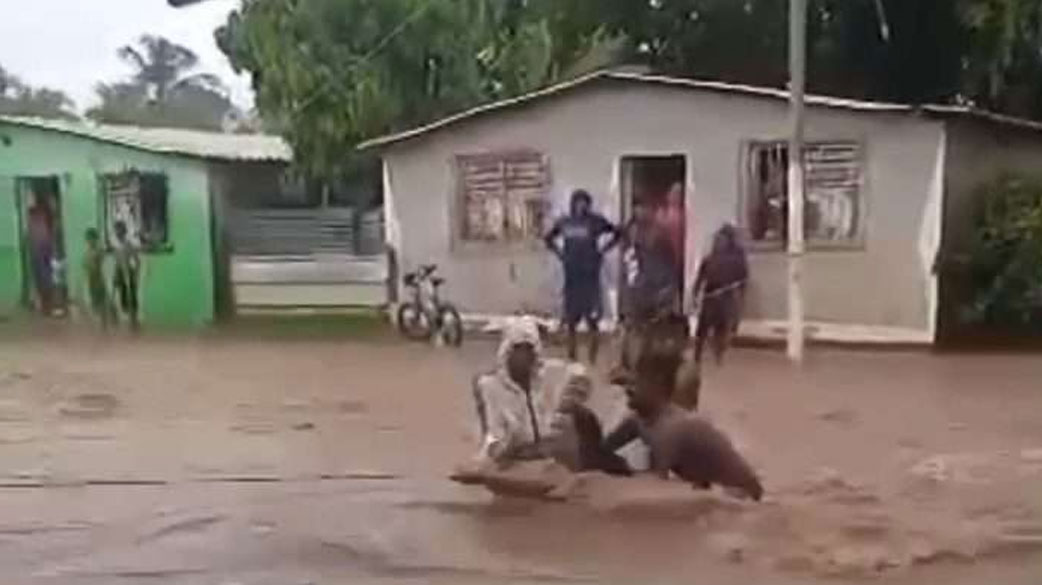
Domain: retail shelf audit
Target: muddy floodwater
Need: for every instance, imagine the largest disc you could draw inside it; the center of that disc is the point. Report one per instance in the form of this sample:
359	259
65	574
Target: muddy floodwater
258	462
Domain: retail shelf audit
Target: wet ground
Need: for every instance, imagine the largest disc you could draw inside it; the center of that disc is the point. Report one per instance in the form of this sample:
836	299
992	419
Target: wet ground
262	462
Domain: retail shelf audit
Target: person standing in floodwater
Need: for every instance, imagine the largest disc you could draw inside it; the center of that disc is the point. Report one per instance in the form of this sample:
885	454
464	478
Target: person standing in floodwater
719	291
125	275
582	256
652	282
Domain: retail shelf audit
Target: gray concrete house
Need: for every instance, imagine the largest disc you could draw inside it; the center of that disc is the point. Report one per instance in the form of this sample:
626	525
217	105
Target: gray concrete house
888	187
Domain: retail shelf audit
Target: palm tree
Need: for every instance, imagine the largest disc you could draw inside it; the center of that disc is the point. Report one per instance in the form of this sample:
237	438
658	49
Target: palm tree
162	67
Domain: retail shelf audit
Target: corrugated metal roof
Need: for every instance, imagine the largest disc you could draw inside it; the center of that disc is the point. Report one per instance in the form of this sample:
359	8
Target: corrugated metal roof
714	86
193	143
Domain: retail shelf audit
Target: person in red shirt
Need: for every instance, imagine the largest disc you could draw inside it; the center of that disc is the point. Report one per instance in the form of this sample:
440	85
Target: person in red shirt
670	218
41	252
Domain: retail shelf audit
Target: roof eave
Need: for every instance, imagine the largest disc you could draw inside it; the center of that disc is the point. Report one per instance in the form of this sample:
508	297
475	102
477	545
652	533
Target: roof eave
848	104
47	125
658	80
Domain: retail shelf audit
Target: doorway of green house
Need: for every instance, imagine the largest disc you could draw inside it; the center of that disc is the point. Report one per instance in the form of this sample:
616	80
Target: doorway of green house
44	288
653	198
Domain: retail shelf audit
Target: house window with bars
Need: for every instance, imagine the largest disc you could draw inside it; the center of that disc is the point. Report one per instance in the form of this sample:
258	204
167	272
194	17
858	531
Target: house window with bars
139	201
502	196
833	192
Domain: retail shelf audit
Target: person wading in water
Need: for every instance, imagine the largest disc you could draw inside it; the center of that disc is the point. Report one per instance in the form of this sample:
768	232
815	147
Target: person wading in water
652	291
531	408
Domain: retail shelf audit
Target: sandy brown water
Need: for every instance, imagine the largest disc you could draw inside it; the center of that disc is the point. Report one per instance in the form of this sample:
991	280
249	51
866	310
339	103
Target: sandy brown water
233	461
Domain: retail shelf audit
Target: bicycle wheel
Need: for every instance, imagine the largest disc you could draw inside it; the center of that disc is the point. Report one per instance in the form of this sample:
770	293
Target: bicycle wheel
451	325
413	322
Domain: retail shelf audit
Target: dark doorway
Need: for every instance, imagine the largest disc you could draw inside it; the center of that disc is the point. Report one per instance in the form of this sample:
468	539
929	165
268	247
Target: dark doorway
45	288
658	185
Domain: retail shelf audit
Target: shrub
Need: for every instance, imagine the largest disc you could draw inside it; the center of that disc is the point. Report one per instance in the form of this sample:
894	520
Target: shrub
1006	256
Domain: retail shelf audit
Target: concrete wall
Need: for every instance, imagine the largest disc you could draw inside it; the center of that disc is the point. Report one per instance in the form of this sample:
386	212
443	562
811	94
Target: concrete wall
177	284
882	284
978	153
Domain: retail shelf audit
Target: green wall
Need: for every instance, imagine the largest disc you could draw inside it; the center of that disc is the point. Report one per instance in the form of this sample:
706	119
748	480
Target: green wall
176	284
10	265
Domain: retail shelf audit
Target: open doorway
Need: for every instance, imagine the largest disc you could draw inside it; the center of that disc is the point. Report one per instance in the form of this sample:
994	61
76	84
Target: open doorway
39	202
654	196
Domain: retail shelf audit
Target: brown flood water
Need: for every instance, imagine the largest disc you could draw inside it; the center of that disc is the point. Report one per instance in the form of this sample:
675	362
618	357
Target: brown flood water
219	461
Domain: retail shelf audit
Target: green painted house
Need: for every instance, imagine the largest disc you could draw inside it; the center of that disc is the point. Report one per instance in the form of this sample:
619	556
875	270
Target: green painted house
57	179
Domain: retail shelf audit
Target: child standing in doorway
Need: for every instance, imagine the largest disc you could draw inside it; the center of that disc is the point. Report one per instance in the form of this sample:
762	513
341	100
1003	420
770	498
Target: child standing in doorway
125	276
93	267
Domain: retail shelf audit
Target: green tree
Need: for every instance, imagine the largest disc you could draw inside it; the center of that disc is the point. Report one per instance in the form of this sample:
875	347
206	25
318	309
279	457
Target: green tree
1004	57
334	72
1006	256
163	90
19	99
161	67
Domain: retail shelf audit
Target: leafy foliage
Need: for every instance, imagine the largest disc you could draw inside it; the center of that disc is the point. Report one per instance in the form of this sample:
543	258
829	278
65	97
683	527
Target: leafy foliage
1004	57
1006	256
19	99
334	72
331	73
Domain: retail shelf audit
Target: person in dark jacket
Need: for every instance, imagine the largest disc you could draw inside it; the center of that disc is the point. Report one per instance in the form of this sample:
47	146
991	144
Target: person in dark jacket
719	291
577	240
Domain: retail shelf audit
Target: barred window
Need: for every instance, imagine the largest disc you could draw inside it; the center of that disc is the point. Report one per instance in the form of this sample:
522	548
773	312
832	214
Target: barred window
502	196
139	201
833	181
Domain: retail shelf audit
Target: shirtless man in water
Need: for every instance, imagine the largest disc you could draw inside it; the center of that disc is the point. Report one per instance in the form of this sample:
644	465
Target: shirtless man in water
665	336
680	442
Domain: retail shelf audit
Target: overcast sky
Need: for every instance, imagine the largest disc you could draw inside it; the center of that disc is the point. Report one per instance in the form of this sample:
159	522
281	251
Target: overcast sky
71	44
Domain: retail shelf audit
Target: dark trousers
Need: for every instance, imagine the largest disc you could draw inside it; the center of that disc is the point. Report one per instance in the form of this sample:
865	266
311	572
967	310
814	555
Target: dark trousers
582	303
716	323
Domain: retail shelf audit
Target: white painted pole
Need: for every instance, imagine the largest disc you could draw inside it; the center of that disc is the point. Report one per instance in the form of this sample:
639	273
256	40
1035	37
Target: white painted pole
797	83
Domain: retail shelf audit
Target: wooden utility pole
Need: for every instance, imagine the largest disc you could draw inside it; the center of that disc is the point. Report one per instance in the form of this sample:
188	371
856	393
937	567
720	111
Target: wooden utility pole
797	84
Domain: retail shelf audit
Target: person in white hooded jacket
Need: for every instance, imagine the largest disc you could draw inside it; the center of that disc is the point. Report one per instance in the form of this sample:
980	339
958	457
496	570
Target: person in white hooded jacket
517	404
533	409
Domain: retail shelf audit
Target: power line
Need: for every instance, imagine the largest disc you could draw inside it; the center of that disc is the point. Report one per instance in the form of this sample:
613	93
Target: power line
412	17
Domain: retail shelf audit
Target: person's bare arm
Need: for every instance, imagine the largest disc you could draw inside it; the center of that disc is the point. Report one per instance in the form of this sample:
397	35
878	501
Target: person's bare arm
550	239
696	288
660	466
615	234
625	433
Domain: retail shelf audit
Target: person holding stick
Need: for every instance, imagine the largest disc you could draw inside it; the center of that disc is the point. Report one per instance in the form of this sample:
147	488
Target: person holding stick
719	292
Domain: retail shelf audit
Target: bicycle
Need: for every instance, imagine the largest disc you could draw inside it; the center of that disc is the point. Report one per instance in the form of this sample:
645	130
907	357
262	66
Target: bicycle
426	314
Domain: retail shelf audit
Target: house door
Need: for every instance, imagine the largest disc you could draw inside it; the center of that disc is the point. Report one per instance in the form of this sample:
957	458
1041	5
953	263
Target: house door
653	197
44	289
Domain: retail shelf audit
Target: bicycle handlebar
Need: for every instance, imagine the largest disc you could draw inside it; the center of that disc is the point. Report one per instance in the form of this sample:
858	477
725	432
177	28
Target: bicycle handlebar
424	272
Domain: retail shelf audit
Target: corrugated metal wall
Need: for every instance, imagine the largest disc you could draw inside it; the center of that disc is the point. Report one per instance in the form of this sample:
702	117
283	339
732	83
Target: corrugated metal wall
295	232
307	257
301	232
